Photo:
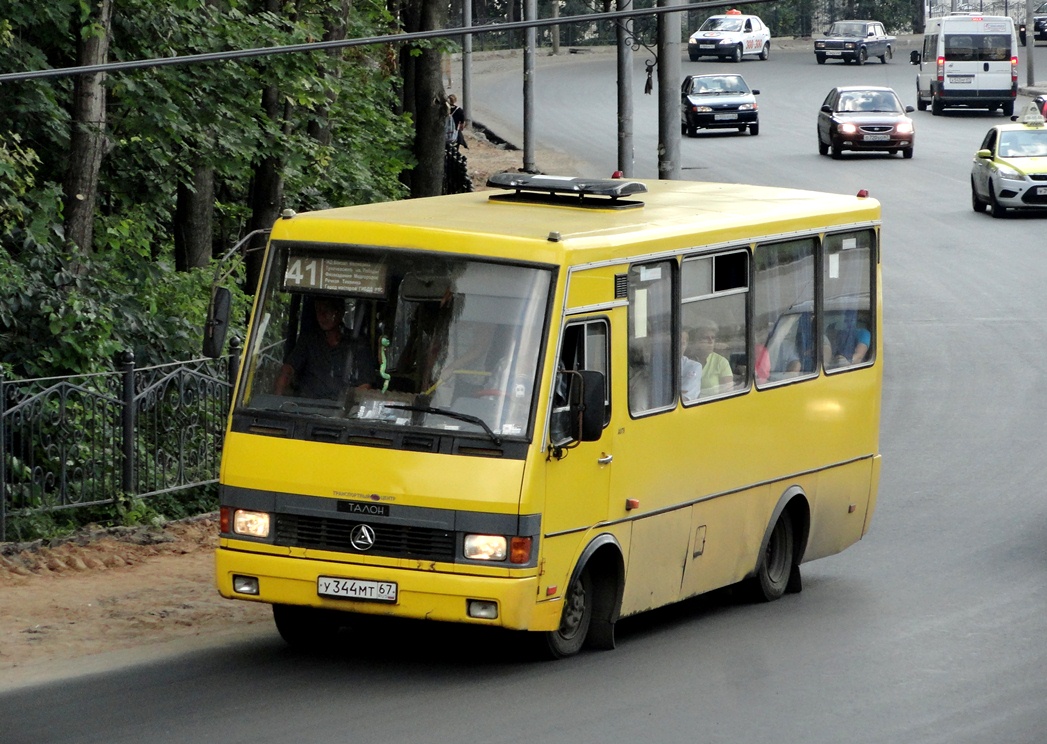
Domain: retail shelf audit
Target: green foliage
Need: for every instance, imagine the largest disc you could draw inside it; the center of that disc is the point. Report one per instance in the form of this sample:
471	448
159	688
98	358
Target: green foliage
134	510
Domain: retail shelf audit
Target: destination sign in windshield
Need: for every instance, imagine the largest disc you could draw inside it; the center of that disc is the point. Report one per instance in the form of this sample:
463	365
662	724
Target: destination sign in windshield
358	278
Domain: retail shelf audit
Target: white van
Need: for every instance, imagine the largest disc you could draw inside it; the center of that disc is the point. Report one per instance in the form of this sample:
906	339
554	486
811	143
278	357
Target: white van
968	59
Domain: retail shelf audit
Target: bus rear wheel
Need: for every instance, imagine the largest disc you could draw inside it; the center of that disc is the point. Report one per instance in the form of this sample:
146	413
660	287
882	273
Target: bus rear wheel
568	639
777	563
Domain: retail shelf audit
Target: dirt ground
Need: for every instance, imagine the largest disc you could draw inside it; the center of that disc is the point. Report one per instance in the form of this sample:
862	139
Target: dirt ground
131	588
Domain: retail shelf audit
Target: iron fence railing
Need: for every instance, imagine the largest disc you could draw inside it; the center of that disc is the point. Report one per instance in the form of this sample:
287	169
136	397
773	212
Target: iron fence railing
87	440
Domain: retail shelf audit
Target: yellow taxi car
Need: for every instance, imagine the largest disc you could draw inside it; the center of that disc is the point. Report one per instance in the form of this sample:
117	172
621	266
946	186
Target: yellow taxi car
1010	169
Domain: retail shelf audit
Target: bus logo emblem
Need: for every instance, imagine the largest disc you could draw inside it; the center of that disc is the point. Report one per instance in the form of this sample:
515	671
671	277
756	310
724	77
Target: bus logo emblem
362	537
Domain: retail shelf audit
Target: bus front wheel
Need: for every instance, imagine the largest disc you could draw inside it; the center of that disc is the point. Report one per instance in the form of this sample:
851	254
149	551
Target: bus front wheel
777	563
577	616
305	628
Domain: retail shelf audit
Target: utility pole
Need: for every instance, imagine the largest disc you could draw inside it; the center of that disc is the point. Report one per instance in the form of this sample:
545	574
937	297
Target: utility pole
530	14
1030	43
668	93
467	62
626	159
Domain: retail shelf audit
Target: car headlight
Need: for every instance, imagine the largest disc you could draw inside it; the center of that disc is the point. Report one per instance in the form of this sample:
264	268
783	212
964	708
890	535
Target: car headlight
848	128
747	107
250	523
701	109
498	548
849	45
904	127
485	547
1008	173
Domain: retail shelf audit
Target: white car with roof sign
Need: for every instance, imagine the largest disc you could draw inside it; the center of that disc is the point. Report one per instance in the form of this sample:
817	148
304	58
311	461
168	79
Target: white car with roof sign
732	36
1010	169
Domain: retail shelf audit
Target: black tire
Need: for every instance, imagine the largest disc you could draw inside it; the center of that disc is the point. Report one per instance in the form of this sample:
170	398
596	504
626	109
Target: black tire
568	639
996	209
754	129
907	153
921	103
820	58
736	54
976	201
1008	108
693	56
306	628
823	149
765	53
777	563
937	106
837	151
886	56
863	54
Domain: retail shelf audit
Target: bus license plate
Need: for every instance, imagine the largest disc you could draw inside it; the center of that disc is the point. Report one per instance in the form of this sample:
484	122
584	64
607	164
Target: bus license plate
877	137
377	591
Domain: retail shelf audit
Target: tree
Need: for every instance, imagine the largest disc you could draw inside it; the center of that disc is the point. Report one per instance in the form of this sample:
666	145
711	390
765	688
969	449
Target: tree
424	97
88	138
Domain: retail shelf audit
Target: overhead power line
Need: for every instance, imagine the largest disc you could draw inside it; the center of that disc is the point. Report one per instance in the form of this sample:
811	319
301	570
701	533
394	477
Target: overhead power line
188	59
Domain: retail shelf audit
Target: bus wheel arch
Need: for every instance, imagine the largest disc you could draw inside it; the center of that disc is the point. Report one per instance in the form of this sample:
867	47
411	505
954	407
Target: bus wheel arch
784	543
592	601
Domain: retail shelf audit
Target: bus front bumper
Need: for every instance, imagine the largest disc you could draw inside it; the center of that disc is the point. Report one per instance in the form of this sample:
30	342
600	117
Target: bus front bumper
421	594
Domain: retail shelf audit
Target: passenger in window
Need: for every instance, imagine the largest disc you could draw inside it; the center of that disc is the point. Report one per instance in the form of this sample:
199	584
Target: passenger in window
690	372
717	376
849	340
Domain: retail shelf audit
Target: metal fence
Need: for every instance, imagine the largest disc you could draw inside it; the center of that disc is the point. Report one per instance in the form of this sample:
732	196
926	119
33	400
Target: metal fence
88	440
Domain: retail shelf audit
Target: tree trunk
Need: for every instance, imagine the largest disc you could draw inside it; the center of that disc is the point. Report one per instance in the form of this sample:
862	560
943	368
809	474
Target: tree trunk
424	98
267	186
194	217
335	30
87	141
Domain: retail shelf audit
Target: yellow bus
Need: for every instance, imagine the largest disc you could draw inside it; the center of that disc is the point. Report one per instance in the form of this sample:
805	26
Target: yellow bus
553	404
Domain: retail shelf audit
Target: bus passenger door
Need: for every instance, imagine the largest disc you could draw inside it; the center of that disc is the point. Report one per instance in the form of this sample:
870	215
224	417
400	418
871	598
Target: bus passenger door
578	473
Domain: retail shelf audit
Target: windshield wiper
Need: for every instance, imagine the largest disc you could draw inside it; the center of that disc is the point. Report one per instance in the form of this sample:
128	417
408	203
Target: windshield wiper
468	418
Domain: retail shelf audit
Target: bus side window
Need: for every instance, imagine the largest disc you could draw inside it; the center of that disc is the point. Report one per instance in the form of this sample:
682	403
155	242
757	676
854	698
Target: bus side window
714	297
785	322
585	346
847	272
651	368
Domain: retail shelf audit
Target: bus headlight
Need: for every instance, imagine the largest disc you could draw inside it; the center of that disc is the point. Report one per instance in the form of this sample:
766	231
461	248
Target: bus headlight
485	547
251	523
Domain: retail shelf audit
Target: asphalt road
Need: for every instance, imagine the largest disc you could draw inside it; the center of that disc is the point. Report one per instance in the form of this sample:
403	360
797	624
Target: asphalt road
930	630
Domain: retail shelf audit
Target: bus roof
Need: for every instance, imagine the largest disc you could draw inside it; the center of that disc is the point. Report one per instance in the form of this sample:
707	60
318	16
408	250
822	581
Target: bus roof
673	214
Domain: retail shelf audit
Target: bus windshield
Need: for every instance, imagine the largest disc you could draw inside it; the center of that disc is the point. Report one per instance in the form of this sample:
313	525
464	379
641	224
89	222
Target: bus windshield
401	338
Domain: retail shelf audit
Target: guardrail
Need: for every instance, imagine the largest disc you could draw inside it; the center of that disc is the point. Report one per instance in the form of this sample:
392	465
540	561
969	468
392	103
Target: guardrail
88	440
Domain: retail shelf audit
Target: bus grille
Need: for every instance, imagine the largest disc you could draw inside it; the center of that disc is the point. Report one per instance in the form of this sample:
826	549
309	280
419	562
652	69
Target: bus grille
394	541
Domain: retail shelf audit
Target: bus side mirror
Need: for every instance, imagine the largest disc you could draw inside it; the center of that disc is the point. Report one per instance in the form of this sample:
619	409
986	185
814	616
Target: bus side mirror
914	57
587	409
217	322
